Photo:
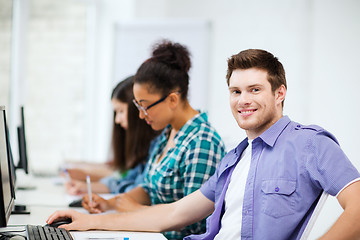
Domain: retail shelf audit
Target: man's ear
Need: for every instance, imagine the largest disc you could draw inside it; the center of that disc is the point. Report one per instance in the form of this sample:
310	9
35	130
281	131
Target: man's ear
280	94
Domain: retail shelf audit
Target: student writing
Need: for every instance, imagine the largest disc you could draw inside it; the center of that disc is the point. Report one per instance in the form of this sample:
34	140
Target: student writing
131	144
189	148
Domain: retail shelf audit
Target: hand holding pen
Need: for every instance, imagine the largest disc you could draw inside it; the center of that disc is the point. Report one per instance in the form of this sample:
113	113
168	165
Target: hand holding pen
98	205
89	189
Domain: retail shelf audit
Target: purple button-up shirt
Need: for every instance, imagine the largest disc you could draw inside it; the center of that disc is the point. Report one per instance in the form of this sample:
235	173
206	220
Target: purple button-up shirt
291	164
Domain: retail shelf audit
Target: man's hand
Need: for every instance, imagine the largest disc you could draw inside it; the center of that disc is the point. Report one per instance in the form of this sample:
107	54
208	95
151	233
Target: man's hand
80	221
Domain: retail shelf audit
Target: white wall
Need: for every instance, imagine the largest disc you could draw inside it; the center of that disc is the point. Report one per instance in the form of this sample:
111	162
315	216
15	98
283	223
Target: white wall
335	72
63	68
100	73
5	47
333	89
52	81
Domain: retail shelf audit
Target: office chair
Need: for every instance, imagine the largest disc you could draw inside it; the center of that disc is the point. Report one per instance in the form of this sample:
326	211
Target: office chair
314	216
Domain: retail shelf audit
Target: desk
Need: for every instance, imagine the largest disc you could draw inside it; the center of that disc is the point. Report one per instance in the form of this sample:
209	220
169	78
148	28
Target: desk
49	196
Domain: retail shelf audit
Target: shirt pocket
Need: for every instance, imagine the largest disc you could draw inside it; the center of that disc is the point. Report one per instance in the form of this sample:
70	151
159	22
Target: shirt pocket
163	185
277	197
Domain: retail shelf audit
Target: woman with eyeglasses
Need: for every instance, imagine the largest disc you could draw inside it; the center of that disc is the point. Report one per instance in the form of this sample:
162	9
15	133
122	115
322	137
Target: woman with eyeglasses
188	150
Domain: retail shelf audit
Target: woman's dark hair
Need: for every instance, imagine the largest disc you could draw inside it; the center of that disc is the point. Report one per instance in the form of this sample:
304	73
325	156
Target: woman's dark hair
130	146
166	70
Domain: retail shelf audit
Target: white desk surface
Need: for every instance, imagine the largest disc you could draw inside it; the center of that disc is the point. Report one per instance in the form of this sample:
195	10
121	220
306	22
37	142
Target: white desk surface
49	196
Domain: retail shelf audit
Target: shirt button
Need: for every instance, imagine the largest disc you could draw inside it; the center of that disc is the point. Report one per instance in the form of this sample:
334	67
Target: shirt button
277	189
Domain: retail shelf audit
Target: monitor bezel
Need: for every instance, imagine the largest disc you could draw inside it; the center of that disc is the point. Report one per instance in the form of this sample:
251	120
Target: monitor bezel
23	158
5	211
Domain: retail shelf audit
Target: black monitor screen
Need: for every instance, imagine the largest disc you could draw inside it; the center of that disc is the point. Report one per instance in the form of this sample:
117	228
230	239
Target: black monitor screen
23	160
7	197
11	162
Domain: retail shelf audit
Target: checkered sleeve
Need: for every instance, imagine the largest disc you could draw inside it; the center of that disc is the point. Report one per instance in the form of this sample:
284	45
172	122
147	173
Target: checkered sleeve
202	157
201	161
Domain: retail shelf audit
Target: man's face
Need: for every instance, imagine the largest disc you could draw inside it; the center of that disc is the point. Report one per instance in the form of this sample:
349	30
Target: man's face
253	104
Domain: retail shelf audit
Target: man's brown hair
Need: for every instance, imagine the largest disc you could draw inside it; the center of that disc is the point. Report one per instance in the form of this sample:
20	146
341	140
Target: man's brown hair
260	59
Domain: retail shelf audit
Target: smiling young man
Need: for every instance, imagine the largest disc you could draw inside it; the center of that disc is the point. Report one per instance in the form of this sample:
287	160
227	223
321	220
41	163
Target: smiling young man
265	188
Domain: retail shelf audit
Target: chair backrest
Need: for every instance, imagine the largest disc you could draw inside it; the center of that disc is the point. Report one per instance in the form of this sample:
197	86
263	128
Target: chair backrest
315	215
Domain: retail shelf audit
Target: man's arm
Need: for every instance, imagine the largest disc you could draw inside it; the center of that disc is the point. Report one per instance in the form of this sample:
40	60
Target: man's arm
347	225
158	218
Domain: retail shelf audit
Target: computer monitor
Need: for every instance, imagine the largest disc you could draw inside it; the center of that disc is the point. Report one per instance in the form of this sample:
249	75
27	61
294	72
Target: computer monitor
6	187
23	159
11	162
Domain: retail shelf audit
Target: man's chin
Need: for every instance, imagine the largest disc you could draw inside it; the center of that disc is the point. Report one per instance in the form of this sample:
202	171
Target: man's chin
245	125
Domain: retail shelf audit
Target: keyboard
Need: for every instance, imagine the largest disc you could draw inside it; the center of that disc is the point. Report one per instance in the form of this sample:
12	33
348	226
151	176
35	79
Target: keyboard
44	232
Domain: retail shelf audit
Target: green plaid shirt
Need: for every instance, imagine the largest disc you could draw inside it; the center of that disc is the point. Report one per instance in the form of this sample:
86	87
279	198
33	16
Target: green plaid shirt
198	149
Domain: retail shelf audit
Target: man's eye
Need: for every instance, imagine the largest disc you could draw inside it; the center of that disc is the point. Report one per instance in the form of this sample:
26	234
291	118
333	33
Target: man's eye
255	89
235	92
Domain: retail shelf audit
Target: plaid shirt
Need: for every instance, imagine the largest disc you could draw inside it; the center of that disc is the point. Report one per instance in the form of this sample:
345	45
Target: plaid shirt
198	149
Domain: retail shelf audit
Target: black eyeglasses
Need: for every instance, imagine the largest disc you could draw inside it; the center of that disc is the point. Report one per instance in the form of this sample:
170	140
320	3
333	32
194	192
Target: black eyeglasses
144	109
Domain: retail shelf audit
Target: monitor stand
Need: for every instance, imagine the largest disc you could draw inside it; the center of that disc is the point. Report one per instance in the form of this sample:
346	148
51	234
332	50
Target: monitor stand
25	187
20	209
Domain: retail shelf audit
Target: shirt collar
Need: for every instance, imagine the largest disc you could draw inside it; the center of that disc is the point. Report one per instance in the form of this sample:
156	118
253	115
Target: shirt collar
272	133
269	137
199	118
240	148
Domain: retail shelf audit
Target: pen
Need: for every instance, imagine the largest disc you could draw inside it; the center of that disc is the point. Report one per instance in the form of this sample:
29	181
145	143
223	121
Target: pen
93	238
89	189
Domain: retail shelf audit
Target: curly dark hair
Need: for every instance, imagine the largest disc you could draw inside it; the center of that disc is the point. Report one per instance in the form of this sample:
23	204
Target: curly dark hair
166	70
